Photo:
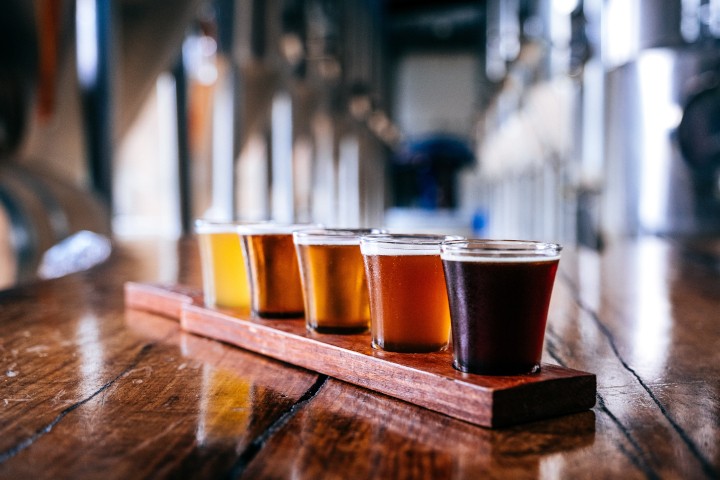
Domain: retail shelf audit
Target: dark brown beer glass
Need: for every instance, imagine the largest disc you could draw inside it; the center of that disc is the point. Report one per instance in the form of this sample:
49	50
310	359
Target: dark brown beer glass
499	294
333	279
408	301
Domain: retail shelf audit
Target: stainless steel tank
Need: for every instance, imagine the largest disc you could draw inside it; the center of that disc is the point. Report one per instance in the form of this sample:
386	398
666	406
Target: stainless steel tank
662	119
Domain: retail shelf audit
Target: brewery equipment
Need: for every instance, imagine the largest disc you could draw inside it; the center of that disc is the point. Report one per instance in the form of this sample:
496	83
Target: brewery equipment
662	144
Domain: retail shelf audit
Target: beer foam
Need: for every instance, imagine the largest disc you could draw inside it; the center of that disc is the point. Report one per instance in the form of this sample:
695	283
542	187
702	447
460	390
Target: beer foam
499	257
404	244
225	226
326	240
380	249
273	228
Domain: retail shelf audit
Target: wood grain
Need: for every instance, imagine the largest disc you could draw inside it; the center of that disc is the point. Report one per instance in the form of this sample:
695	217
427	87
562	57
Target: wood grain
427	380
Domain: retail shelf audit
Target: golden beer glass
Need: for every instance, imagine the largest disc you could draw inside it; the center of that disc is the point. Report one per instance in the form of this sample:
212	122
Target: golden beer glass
275	286
333	279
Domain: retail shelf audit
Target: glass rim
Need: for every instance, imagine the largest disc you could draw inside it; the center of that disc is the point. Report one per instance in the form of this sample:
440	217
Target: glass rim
273	228
500	249
404	243
333	236
204	225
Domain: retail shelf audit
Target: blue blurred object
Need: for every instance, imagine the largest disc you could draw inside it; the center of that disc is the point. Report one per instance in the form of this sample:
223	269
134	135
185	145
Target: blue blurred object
80	251
424	171
479	222
437	150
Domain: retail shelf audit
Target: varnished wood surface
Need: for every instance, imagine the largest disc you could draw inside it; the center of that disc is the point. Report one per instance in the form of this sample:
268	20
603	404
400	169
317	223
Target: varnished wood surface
90	390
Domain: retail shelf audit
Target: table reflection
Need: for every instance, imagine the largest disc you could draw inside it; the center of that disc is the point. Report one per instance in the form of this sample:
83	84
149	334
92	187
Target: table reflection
653	320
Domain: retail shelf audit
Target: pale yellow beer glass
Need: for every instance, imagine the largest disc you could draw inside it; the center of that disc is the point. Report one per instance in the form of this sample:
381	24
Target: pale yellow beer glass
225	280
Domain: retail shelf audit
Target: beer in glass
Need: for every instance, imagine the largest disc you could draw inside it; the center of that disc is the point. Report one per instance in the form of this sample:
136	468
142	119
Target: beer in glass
408	300
275	289
225	282
333	279
499	293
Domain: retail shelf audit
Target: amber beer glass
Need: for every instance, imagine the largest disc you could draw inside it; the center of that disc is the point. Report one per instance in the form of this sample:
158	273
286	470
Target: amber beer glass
408	300
333	280
499	293
225	282
275	289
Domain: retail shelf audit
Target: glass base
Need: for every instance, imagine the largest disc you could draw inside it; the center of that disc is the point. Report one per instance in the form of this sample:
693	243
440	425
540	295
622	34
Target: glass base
279	315
338	330
503	370
410	347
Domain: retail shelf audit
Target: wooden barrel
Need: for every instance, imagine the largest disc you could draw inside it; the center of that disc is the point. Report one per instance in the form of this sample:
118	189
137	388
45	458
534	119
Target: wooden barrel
36	212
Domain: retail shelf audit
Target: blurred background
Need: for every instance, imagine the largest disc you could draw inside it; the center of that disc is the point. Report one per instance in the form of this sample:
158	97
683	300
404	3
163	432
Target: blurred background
574	121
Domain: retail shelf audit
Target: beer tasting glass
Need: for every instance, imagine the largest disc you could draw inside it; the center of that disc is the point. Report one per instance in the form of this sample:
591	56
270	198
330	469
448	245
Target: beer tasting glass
275	289
499	293
408	300
225	282
333	279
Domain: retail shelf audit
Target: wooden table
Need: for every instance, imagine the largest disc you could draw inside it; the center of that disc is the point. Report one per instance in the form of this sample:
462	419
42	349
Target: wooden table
89	389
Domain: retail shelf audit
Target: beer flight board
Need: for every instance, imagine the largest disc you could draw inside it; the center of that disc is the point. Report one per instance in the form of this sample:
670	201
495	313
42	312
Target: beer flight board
427	380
